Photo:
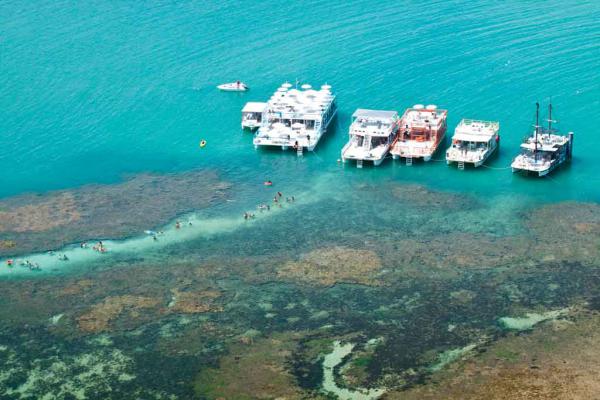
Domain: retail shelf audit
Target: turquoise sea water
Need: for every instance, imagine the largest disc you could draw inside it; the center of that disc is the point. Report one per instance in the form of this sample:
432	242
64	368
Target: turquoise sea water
95	90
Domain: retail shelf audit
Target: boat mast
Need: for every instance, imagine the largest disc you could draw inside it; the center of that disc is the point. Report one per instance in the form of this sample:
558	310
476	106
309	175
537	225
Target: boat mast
550	118
537	127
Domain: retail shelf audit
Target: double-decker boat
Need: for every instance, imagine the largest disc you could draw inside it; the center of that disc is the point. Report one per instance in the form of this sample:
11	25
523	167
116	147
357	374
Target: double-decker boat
296	118
545	149
422	129
371	135
473	142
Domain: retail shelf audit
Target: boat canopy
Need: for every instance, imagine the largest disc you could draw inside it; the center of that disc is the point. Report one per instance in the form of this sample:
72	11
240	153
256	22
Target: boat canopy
472	137
254	107
374	114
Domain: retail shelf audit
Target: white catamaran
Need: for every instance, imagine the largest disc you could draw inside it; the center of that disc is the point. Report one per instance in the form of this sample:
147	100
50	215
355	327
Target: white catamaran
544	150
422	129
473	142
296	118
371	135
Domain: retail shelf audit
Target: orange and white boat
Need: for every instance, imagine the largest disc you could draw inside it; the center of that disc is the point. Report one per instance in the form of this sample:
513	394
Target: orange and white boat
422	129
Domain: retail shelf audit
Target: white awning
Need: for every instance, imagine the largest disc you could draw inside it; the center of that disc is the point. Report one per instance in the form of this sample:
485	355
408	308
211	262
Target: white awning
375	114
471	137
254	107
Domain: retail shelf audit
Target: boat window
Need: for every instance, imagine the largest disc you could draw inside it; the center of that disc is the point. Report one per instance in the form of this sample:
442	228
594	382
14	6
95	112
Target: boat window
310	124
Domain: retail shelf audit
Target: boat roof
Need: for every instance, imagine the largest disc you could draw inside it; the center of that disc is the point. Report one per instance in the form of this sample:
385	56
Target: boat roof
545	143
296	103
470	130
374	114
419	117
254	106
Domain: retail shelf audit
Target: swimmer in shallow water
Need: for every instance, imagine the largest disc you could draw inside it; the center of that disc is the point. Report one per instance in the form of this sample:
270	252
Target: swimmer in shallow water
177	225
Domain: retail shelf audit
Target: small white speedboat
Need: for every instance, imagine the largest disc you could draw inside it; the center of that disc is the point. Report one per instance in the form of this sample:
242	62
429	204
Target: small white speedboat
233	87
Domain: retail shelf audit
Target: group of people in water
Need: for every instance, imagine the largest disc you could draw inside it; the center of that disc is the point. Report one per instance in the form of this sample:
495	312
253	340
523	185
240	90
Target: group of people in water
33	266
277	201
99	247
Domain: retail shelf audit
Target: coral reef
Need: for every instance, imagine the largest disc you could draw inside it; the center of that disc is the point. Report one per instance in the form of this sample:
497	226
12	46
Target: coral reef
253	371
100	316
194	302
331	265
40	222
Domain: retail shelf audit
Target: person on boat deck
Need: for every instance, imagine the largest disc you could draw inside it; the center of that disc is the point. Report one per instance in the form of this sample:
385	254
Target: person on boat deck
237	83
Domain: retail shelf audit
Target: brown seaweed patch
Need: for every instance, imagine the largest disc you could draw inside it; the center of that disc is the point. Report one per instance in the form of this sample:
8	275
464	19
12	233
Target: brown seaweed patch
100	316
7	244
46	213
195	302
253	371
331	265
39	222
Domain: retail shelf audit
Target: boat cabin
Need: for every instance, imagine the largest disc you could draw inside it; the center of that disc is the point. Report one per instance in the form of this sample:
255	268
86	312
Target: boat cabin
252	114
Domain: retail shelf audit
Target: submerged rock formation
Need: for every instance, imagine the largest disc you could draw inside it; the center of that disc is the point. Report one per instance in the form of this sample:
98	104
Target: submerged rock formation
41	222
331	265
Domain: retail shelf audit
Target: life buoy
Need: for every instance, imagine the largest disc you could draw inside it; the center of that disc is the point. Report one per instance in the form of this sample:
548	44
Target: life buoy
202	143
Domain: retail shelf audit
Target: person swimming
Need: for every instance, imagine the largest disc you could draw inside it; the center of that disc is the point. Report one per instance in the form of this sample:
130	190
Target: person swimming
177	225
